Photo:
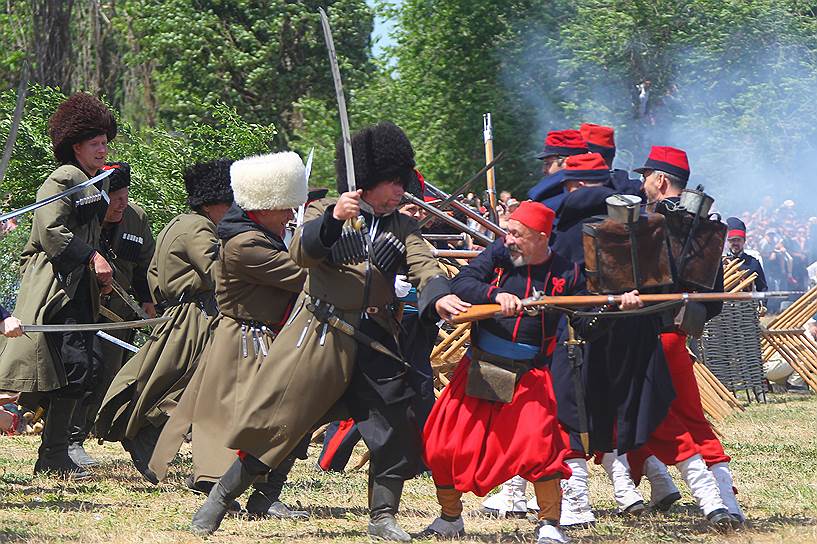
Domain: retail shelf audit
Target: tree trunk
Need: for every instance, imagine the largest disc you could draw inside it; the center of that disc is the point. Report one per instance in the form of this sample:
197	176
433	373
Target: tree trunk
50	47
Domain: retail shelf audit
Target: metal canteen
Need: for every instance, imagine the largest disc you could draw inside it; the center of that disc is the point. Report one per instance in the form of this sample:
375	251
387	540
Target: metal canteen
696	202
624	208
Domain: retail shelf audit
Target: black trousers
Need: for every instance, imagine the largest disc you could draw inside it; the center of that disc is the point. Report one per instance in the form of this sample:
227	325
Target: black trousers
379	399
74	350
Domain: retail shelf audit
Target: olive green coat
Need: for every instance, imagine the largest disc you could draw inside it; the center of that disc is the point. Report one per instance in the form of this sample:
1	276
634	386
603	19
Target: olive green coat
131	249
60	242
149	384
257	286
287	398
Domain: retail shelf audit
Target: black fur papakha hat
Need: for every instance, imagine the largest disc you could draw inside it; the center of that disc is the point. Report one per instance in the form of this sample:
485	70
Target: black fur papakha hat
81	117
208	183
380	152
121	176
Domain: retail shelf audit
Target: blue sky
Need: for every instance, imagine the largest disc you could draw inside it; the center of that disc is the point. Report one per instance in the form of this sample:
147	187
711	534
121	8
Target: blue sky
382	28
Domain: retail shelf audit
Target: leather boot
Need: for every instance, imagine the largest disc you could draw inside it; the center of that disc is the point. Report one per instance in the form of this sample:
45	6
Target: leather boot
78	432
238	478
384	504
265	499
53	453
140	448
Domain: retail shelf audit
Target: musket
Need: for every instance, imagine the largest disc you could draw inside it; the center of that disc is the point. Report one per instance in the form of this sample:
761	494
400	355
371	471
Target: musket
53	198
454	253
486	311
456	193
468	212
456	238
478	237
22	90
488	138
299	217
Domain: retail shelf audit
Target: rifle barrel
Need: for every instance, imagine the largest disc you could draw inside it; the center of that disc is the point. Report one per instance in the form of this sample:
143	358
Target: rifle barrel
465	210
486	311
478	237
454	253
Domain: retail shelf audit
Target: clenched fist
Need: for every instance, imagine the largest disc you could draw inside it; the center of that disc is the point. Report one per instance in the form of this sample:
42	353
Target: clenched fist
348	206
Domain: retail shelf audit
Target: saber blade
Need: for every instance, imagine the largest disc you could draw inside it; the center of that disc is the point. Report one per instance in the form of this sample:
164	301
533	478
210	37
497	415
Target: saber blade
93	327
54	198
344	118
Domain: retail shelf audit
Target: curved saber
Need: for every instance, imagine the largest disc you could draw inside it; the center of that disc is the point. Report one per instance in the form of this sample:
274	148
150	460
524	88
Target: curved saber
93	327
54	198
299	217
117	342
344	118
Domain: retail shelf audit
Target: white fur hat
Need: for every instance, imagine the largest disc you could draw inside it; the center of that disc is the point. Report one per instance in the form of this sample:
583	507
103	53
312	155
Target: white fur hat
275	181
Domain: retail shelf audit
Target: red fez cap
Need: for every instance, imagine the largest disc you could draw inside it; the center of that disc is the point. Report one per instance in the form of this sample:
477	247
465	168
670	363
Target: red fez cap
598	135
587	167
563	142
667	159
534	215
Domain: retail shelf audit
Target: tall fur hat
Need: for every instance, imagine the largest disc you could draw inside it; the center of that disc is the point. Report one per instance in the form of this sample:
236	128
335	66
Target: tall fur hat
380	152
81	117
208	183
275	181
121	176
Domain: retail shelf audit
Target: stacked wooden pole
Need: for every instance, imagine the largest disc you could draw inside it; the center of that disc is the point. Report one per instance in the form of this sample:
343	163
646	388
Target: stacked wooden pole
785	335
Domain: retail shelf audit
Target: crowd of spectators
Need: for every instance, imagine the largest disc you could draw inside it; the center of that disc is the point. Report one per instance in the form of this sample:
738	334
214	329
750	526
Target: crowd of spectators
785	238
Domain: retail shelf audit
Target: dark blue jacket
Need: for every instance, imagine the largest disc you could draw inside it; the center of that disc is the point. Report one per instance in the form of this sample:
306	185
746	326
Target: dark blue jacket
752	265
492	272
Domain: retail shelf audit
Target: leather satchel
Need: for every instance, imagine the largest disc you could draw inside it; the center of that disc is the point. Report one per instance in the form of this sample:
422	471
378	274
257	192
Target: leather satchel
495	379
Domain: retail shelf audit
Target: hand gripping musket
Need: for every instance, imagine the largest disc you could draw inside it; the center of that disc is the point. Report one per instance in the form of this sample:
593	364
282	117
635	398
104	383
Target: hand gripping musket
488	138
478	237
468	212
53	198
487	311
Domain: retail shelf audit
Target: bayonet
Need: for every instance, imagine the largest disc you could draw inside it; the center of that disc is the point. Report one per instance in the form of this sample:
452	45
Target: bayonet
116	341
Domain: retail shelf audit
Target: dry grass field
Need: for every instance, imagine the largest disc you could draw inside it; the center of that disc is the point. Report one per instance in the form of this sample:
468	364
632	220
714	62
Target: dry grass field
775	462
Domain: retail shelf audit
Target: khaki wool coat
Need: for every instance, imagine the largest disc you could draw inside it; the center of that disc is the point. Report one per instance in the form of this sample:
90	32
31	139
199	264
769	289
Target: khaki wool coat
131	249
286	399
64	236
145	390
257	287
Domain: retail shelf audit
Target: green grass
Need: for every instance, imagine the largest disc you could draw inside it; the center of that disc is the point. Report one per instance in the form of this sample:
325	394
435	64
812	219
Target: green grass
774	460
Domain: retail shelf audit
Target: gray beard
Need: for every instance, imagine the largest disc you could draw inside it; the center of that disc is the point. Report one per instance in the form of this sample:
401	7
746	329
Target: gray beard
519	261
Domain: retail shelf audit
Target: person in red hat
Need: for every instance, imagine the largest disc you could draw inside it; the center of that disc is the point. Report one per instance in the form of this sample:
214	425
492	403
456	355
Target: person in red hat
559	145
476	439
665	170
684	438
601	139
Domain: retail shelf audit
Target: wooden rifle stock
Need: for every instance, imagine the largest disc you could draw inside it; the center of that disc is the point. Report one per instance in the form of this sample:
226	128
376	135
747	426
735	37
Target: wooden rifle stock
486	311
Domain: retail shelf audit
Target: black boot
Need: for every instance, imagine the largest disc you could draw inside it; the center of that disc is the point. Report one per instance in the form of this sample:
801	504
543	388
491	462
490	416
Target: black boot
78	433
229	487
383	505
140	448
53	453
265	499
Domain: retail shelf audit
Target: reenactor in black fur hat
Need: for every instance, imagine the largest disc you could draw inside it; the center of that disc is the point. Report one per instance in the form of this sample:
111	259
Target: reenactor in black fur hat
126	241
181	283
343	335
62	276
